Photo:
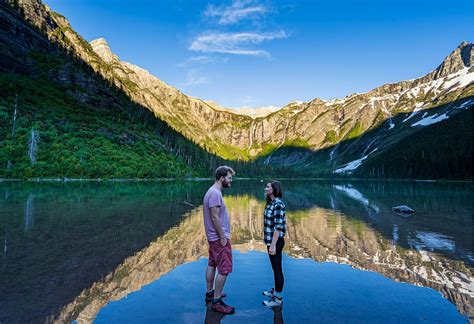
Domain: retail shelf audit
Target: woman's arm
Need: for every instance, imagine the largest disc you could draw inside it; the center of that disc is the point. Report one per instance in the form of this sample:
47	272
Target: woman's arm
276	235
278	216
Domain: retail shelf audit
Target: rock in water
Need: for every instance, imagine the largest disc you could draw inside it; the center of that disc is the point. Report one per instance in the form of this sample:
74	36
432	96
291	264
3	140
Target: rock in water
403	209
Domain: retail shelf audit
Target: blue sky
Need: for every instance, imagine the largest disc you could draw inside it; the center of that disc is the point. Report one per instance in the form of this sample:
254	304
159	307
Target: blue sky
258	53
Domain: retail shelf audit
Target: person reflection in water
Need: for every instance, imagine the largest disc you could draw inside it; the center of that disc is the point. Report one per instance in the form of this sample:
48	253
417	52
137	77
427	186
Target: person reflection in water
213	317
217	226
274	229
216	318
278	315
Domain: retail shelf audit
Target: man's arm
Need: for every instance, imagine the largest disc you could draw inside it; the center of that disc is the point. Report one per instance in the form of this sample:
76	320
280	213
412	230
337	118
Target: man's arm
217	224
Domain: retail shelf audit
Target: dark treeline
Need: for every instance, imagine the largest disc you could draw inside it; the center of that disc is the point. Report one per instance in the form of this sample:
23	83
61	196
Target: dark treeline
441	151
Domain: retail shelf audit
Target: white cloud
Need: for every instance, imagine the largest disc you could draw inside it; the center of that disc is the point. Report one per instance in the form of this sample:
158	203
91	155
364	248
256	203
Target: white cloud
233	43
193	78
203	59
237	11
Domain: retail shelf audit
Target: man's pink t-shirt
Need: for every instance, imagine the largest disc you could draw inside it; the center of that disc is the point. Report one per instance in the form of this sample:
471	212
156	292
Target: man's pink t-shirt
213	198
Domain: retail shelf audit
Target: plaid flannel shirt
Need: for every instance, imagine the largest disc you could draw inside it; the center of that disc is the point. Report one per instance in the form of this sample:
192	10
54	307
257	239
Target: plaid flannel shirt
274	219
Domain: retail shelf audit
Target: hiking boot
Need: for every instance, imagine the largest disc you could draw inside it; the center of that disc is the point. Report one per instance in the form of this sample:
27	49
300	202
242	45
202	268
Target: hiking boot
274	302
210	295
221	307
268	293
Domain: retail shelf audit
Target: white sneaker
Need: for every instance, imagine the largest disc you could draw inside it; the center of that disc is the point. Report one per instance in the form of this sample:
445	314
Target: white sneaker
274	302
268	293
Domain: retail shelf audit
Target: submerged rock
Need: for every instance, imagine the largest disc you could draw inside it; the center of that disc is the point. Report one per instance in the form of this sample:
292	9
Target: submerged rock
403	209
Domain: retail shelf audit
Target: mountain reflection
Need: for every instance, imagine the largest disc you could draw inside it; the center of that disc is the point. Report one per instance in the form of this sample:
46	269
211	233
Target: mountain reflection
71	249
317	233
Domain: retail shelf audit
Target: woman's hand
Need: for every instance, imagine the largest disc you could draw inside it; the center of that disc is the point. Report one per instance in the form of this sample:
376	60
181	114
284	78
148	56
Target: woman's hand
272	250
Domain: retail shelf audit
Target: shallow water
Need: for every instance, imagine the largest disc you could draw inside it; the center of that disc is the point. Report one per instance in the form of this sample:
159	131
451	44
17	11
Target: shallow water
315	292
70	250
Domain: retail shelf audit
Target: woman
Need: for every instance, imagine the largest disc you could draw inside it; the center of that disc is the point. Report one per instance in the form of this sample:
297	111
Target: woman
274	229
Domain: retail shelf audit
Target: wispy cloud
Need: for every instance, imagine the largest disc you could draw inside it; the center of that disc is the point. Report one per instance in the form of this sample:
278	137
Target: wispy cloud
203	59
231	39
237	11
193	78
233	43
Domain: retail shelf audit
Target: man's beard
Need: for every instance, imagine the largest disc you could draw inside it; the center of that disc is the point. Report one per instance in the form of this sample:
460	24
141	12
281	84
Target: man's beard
226	184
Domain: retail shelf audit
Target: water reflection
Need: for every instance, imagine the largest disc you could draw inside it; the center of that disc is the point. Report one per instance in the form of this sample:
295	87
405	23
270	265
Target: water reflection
216	318
212	317
278	315
355	194
29	213
97	238
317	233
81	233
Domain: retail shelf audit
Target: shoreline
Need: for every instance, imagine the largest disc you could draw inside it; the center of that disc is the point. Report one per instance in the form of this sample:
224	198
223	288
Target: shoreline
64	180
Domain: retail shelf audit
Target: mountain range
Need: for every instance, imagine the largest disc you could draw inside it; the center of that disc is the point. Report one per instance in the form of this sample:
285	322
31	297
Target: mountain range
412	128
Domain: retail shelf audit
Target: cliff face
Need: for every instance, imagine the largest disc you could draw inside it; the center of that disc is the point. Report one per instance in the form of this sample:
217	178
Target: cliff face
316	125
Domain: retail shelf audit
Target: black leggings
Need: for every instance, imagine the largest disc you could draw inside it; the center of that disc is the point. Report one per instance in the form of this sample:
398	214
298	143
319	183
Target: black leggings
275	260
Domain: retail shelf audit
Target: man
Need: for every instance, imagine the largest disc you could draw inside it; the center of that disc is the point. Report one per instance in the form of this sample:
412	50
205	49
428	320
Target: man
217	226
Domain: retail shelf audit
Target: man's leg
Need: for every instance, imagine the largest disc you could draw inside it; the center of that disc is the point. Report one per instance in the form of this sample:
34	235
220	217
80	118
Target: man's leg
220	282
210	275
224	267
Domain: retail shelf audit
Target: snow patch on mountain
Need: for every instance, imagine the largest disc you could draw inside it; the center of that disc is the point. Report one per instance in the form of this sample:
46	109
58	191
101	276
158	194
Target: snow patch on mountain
336	101
390	120
460	79
415	111
430	120
351	166
466	104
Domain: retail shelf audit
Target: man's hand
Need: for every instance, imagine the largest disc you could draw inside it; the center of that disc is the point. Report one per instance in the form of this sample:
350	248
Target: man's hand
223	241
272	250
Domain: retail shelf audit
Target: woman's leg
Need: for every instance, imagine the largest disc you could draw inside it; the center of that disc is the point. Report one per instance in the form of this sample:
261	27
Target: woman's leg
276	265
273	263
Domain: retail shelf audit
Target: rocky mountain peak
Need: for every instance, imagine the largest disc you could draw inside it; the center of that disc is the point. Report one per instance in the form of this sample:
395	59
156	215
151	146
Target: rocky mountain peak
102	48
460	58
467	53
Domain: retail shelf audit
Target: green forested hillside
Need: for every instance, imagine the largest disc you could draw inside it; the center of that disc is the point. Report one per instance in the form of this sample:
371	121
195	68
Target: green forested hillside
113	139
78	140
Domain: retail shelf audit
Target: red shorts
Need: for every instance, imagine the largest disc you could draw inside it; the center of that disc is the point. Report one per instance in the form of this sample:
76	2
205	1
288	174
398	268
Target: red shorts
220	257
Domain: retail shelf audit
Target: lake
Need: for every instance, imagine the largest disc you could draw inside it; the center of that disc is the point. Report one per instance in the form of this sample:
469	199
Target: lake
136	252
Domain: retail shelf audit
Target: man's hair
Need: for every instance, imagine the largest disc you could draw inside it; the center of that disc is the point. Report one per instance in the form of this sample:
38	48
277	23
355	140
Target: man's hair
222	171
